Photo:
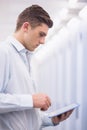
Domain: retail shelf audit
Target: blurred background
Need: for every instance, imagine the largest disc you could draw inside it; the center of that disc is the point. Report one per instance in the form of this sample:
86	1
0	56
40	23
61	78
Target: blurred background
59	67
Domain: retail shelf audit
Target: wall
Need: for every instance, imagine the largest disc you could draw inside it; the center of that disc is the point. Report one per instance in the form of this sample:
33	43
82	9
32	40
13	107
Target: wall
61	71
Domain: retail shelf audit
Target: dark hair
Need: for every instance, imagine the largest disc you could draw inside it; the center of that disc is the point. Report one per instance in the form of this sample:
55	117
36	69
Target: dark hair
35	15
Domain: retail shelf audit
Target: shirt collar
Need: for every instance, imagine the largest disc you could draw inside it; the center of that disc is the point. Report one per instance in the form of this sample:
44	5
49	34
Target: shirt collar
17	45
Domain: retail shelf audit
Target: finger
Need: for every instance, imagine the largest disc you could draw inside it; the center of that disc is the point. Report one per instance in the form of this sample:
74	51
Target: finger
48	101
46	106
69	113
61	117
55	120
44	109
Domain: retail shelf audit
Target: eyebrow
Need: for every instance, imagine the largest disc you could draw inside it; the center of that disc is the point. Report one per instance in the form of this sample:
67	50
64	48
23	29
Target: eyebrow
42	34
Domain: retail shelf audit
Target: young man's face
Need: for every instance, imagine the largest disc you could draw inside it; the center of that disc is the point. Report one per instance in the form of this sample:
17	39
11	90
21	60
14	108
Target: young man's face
35	36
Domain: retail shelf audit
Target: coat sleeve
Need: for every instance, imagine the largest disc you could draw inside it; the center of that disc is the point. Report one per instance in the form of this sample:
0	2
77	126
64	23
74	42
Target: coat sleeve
45	120
10	102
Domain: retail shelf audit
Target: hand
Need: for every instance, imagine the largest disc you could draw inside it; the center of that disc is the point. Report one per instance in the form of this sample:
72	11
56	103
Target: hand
41	101
62	117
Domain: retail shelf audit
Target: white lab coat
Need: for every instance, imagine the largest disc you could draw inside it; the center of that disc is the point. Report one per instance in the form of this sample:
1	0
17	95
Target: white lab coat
16	89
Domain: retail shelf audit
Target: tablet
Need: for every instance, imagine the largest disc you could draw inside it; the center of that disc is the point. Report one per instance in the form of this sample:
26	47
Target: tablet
63	110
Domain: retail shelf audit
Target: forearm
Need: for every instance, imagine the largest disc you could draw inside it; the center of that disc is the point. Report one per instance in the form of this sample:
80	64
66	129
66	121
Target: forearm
13	102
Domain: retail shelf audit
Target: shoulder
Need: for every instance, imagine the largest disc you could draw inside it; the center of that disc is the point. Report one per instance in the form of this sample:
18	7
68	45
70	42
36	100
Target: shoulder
4	49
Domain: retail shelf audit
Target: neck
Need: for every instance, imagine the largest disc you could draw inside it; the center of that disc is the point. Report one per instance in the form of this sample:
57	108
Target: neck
18	36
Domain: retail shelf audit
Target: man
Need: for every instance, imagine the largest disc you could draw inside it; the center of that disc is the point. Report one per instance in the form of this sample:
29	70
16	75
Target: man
20	106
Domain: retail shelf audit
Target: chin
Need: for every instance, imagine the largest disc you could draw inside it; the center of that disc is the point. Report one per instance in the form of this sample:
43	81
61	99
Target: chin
32	49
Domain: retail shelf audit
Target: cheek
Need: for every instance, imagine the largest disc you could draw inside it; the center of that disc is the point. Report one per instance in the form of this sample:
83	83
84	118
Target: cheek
34	39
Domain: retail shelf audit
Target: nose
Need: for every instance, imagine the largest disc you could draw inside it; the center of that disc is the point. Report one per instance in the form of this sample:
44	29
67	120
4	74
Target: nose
42	40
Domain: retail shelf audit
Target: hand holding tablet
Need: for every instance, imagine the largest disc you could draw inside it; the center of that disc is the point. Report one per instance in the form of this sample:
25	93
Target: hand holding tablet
63	110
62	114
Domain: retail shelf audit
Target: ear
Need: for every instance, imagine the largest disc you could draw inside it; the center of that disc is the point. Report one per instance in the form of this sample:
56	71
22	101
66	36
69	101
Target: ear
25	26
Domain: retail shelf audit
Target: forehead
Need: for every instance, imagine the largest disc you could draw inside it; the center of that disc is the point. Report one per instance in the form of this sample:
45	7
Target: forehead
42	28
